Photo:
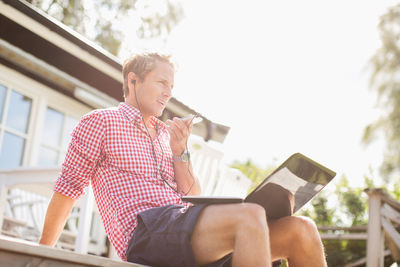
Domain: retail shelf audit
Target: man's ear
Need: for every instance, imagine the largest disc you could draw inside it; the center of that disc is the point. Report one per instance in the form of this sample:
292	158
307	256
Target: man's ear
132	78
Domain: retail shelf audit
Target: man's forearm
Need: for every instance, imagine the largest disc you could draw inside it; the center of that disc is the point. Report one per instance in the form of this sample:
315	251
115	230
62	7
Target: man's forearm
57	213
185	178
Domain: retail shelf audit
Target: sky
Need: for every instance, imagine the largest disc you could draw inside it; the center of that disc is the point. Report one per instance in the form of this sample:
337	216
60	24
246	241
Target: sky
286	76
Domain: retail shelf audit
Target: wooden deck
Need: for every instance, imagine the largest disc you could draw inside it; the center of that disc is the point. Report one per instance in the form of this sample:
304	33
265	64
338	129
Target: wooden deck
19	253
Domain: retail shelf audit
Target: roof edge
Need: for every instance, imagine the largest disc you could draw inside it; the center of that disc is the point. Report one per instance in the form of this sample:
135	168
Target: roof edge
65	31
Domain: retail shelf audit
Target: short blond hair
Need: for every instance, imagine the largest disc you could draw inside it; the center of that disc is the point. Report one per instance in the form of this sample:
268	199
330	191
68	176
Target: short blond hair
141	64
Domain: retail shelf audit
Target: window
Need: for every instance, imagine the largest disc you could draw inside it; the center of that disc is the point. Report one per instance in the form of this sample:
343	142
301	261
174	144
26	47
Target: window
15	113
56	132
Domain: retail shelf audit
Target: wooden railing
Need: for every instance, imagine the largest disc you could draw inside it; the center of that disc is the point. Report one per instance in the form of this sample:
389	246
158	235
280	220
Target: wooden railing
343	233
40	181
383	225
17	252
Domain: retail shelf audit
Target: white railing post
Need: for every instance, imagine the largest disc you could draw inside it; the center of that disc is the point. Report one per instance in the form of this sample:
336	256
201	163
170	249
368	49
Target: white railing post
85	217
3	201
375	240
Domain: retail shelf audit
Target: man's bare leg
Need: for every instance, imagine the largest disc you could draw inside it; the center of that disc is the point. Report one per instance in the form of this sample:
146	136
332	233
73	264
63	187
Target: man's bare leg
296	239
238	228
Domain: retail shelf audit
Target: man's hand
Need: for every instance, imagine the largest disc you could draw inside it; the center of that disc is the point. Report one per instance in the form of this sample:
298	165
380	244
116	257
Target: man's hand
179	131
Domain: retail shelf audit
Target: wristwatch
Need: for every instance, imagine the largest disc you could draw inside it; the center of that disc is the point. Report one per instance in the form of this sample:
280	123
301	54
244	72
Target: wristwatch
182	158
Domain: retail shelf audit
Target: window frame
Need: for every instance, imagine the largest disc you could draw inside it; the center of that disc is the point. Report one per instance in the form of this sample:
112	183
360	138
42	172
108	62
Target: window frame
10	85
62	148
42	97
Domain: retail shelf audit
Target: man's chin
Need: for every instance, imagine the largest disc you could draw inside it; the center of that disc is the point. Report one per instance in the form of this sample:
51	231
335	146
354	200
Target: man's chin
158	113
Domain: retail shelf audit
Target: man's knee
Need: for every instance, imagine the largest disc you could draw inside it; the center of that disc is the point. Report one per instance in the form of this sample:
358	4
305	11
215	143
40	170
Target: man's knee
252	217
305	230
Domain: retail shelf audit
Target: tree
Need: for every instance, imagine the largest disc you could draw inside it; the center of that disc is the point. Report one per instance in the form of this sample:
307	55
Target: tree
350	209
385	80
98	22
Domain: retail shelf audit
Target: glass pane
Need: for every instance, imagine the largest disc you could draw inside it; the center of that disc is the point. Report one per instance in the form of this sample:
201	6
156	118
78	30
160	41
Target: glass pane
52	127
70	124
19	109
12	150
3	91
47	157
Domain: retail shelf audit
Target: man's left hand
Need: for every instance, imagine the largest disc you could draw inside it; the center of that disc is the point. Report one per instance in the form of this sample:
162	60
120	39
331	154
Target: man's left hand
179	131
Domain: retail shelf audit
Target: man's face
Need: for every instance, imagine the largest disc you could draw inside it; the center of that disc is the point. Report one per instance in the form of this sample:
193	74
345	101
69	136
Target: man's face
154	91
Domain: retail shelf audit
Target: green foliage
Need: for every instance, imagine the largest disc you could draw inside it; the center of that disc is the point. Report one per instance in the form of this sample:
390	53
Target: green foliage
349	209
353	202
160	24
396	190
323	215
385	80
98	23
252	171
342	252
350	206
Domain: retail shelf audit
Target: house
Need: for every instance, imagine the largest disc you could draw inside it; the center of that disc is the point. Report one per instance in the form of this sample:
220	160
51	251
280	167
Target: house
49	77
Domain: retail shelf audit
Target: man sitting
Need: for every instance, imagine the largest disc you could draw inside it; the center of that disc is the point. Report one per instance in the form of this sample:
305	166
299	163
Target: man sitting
139	168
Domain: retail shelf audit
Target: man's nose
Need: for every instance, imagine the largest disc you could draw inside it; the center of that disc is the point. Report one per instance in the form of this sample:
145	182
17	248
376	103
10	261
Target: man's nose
168	92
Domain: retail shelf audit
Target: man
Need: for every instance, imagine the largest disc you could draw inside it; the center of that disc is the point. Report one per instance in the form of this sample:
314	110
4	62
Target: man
139	170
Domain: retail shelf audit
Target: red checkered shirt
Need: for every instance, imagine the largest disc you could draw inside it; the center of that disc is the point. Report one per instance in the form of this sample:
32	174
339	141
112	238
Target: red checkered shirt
111	149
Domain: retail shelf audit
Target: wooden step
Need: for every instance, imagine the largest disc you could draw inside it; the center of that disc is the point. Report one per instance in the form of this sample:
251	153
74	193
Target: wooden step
19	253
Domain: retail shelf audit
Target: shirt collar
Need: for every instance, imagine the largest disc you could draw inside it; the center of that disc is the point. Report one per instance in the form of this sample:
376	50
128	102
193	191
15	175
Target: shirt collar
135	116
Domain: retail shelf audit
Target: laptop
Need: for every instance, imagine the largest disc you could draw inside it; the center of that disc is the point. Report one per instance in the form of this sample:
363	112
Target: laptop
288	188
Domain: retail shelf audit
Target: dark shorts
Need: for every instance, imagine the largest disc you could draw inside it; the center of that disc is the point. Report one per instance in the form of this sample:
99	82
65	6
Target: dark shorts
162	238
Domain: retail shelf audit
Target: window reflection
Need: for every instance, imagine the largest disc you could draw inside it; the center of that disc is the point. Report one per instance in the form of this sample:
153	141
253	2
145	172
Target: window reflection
56	136
52	128
19	110
3	91
12	150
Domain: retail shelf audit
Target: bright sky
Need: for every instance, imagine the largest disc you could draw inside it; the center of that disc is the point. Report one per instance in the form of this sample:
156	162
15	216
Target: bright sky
286	76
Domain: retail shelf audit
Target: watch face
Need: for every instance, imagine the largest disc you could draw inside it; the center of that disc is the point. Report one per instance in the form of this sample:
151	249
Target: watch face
185	156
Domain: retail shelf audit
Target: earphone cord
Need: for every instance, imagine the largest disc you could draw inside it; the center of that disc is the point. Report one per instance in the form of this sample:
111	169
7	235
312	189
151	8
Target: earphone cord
189	164
162	154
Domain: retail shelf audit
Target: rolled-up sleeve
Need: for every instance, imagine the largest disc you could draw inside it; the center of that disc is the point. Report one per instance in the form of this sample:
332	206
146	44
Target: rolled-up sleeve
84	152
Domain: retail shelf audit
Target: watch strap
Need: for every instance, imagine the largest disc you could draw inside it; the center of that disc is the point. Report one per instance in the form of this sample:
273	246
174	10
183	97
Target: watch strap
182	158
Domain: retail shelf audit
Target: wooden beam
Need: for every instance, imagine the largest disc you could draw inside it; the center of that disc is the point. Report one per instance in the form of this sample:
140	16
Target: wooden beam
392	247
391	201
362	261
390	213
15	252
389	228
349	229
357	236
374	241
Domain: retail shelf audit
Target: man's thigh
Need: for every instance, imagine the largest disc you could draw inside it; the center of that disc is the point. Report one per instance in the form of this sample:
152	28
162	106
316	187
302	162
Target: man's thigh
214	233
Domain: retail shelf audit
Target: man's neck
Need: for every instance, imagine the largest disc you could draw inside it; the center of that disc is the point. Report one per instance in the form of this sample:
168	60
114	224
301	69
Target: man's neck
146	118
